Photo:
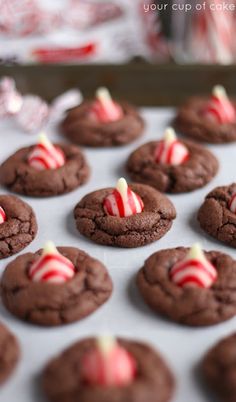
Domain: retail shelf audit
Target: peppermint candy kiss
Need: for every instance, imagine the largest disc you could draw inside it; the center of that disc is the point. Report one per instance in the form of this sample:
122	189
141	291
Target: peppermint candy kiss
232	203
104	108
195	270
219	108
45	155
123	201
51	267
3	216
108	364
33	114
10	99
171	151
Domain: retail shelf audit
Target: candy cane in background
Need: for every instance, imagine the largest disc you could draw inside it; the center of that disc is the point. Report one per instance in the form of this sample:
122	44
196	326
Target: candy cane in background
123	202
153	32
212	36
51	266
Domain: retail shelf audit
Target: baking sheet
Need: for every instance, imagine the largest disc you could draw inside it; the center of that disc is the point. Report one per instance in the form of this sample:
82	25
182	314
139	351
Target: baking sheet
125	313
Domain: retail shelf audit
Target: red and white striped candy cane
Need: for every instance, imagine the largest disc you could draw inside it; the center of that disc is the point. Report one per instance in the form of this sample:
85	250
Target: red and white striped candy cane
232	204
171	151
108	364
194	271
219	107
212	36
46	156
104	108
123	201
51	267
3	216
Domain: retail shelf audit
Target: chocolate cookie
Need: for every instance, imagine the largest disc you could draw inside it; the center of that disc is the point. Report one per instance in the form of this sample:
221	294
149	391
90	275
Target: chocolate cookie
191	121
215	216
188	305
55	304
20	227
219	368
9	353
20	177
133	231
83	130
153	383
194	173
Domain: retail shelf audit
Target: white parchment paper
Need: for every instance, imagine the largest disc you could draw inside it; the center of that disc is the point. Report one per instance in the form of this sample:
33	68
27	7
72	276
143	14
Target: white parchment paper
125	313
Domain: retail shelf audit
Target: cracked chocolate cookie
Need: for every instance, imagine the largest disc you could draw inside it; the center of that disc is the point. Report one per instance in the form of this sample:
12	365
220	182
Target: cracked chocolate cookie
43	290
82	128
195	172
219	368
9	353
201	305
105	218
217	215
18	226
192	122
153	381
21	174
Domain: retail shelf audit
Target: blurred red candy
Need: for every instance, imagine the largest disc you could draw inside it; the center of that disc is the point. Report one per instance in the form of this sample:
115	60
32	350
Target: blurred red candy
33	114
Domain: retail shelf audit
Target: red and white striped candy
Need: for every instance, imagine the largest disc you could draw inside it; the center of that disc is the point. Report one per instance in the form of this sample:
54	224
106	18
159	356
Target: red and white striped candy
108	364
45	155
51	267
10	99
232	204
123	201
104	108
3	216
195	270
219	108
33	113
170	151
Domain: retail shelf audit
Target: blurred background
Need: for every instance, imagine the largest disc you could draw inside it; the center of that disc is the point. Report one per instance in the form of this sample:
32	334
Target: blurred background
120	43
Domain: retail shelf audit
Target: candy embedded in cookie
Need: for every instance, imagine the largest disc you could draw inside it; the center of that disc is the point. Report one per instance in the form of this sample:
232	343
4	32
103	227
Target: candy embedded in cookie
51	266
170	150
45	155
219	108
232	203
104	109
108	364
194	270
3	216
123	201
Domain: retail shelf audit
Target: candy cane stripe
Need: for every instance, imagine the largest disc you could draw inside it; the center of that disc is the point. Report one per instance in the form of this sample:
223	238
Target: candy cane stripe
55	275
52	268
207	268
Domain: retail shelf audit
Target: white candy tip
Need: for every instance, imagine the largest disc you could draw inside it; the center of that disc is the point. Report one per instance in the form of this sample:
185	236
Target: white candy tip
196	252
219	91
43	139
102	93
106	343
122	185
50	248
169	135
